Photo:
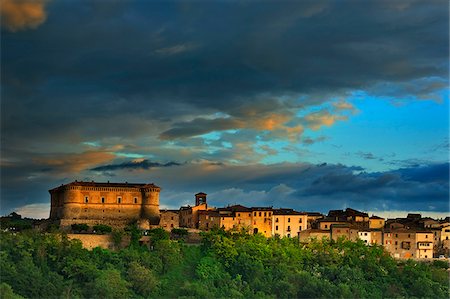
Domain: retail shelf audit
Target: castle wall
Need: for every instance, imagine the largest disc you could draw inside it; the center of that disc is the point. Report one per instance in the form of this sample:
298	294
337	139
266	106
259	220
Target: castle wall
103	204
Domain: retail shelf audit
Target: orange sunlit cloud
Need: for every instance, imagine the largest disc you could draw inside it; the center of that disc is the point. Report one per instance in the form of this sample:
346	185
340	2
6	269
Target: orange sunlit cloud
21	15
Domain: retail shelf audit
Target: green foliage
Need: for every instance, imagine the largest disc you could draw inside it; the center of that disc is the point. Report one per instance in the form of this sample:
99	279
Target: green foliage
102	229
158	234
6	292
143	280
135	234
80	227
15	222
117	236
238	265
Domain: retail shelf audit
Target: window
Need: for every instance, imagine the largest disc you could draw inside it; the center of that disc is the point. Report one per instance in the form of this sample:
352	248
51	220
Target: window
171	218
103	200
276	227
289	229
86	199
276	219
396	235
171	225
396	243
300	221
265	214
289	219
239	214
270	214
119	199
135	200
326	226
365	234
254	214
409	235
259	214
426	236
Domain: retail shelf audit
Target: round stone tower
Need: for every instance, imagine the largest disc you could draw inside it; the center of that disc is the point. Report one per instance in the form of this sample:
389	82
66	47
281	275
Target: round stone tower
150	203
72	202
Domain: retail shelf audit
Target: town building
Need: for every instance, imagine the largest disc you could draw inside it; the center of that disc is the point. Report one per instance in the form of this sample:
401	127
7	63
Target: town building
376	222
343	231
262	220
189	216
169	219
307	235
288	223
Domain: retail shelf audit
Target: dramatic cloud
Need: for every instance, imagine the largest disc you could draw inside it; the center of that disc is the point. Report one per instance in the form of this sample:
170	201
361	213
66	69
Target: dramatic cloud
234	88
22	14
137	164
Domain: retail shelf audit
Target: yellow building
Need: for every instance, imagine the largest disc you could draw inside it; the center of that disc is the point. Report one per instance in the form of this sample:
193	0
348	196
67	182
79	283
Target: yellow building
424	244
114	204
376	222
288	223
236	217
262	220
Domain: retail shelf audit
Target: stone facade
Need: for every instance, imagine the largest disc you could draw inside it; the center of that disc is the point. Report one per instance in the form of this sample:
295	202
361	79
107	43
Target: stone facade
115	204
169	219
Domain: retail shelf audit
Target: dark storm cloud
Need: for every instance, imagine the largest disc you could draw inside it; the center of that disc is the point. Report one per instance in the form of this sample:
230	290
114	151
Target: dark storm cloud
127	72
166	62
301	186
144	164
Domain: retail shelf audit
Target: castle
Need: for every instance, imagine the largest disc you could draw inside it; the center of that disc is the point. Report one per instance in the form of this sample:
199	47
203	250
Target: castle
115	204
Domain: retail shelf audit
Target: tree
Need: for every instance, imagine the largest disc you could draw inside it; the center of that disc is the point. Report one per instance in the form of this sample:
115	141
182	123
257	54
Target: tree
109	284
143	280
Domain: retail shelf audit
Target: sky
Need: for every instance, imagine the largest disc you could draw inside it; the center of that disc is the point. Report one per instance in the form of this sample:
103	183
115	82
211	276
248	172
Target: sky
311	105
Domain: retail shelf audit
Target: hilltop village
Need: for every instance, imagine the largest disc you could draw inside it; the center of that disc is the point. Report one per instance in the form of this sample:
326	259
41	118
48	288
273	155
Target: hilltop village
116	204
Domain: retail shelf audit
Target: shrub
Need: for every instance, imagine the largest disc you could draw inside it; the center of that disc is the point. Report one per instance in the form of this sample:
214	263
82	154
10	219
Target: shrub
79	227
102	229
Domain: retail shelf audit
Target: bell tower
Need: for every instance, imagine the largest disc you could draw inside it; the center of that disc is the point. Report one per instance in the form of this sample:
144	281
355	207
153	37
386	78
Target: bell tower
200	198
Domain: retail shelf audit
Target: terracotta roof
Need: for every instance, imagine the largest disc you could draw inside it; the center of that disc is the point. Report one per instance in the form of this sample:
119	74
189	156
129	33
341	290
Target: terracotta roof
171	211
287	212
262	208
375	217
201	193
235	208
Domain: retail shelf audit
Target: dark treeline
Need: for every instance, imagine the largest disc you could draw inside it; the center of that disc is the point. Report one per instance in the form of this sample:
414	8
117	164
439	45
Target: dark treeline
38	265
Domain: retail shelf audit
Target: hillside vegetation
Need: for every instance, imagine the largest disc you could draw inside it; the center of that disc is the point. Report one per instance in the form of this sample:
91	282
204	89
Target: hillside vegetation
37	265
